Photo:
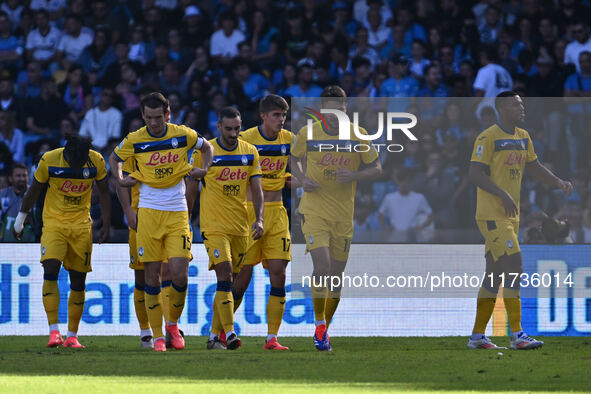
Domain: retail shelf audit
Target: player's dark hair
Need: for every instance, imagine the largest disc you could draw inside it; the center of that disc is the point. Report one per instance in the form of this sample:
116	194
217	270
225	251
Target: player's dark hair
503	95
77	151
272	102
228	112
331	92
154	100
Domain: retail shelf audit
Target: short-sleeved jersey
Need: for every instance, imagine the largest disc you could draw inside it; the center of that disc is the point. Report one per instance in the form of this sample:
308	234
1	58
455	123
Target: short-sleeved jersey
129	166
161	161
274	155
325	154
67	202
505	155
223	195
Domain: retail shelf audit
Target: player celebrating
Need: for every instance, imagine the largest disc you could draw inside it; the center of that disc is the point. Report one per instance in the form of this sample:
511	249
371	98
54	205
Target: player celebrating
329	182
66	238
500	155
224	221
162	153
274	248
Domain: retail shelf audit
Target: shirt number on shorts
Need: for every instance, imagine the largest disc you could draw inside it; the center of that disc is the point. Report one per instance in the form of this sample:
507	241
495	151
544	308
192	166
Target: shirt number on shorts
286	244
186	242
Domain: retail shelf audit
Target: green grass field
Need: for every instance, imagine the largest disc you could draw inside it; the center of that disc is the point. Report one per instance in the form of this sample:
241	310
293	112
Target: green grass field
117	364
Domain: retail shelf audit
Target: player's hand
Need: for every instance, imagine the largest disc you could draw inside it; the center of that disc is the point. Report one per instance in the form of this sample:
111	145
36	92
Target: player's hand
257	229
344	175
509	205
127	181
18	228
309	184
566	187
131	217
197	173
17	236
104	234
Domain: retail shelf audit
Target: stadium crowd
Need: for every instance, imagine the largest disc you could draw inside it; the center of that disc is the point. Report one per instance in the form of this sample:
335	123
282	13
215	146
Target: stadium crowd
83	67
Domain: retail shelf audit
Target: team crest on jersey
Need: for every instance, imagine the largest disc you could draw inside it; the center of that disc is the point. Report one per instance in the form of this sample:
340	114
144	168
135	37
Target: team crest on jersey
283	150
43	250
86	173
140	251
244	160
132	259
479	150
310	240
509	244
174	143
216	253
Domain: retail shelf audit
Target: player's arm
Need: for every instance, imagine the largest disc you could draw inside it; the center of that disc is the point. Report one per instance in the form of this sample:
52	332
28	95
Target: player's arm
256	189
116	167
542	174
28	201
105	203
124	196
368	172
298	172
191	190
206	150
478	176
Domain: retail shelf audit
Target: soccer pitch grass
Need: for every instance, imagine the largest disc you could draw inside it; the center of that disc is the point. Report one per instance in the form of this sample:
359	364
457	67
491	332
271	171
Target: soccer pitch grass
117	364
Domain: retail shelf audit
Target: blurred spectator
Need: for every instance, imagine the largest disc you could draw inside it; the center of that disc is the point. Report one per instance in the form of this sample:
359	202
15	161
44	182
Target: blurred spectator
73	42
55	8
254	85
489	30
42	42
362	72
396	44
366	223
581	43
196	25
177	51
129	86
45	112
29	81
67	128
218	101
418	61
76	92
102	122
340	62
13	9
172	79
99	55
414	31
433	87
8	100
11	47
547	82
305	86
12	136
6	160
140	50
113	72
224	42
10	203
362	48
296	37
405	213
491	78
376	29
399	84
264	41
177	110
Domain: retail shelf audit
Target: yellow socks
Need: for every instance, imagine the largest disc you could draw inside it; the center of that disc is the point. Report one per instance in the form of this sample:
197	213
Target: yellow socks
225	305
275	309
154	310
319	301
139	301
75	309
332	302
166	287
51	298
177	297
484	309
513	308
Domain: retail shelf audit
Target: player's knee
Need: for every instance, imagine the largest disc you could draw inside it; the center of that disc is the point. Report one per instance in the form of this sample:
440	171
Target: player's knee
223	271
140	280
51	267
77	280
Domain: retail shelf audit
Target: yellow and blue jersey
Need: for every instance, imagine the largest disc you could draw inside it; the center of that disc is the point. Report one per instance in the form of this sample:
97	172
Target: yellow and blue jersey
504	155
325	154
67	202
274	155
129	166
161	162
223	195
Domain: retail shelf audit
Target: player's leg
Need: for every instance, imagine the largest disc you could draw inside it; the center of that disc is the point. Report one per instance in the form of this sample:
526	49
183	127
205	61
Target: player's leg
485	304
224	303
276	302
321	261
337	268
139	302
139	294
179	270
240	284
166	286
152	274
51	300
75	307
